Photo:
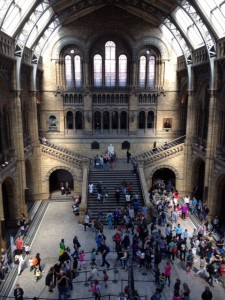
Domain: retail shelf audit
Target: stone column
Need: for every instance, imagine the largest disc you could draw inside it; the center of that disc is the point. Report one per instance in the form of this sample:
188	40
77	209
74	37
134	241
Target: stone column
83	205
212	136
36	158
133	113
2	220
191	120
87	105
17	130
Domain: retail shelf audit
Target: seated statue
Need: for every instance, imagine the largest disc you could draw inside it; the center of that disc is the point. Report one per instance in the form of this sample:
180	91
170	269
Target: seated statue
111	150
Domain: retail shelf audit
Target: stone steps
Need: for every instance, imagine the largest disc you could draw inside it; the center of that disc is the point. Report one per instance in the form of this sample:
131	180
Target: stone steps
110	179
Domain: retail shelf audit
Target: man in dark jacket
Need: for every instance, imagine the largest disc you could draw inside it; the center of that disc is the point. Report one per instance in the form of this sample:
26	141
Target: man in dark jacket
207	295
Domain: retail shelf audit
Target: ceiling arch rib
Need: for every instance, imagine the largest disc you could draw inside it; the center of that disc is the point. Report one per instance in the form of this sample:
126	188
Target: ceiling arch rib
34	26
4	8
196	30
176	35
14	15
214	11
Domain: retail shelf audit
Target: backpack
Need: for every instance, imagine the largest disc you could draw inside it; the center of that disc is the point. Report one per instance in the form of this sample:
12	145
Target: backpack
107	250
35	261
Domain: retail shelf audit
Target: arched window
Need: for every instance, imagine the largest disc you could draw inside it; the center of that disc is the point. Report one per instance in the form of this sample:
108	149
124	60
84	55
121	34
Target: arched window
97	120
68	71
73	69
69	120
110	64
97	70
147	70
78	120
141	122
77	71
151	71
122	70
142	71
150	119
123	120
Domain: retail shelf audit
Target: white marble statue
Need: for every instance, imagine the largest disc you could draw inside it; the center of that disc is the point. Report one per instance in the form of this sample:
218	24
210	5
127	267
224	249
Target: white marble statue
111	149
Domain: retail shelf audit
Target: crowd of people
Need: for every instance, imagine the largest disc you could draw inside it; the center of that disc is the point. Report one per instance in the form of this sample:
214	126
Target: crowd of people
154	247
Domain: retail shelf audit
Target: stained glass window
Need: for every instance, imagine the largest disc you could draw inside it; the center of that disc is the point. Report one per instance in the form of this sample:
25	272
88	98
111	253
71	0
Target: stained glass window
97	70
142	71
110	64
122	70
77	67
151	71
68	71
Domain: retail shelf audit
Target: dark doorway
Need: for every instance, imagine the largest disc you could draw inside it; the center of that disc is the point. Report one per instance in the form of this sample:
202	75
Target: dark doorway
106	120
167	175
60	176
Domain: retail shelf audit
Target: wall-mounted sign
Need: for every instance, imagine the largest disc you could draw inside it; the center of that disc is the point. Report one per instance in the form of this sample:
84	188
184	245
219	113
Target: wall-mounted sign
52	121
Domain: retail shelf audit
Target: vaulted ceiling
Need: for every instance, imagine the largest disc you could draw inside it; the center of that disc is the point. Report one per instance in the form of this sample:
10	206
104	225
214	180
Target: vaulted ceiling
186	24
152	11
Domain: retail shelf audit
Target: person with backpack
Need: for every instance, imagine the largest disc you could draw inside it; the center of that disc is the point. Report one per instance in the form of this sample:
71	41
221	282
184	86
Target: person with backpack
106	250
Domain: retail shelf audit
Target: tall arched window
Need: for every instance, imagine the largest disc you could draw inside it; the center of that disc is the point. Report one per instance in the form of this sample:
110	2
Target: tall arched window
68	71
77	70
97	70
147	70
142	71
122	70
150	119
151	71
73	69
110	64
69	120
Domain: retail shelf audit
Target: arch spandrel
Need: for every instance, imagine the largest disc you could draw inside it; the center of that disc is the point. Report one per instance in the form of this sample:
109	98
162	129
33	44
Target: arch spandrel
177	174
47	176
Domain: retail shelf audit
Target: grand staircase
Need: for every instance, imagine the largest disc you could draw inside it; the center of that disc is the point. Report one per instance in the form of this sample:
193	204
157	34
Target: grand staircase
110	179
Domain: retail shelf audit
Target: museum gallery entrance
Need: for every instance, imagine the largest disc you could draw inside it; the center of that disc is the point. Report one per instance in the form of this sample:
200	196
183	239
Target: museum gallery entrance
59	177
167	175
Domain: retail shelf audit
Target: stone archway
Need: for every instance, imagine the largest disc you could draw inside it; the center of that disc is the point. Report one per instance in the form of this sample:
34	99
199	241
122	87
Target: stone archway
59	176
167	175
198	175
9	203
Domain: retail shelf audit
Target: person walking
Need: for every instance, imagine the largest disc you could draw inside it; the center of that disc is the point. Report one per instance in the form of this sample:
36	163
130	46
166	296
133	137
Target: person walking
167	272
207	294
18	292
128	156
106	250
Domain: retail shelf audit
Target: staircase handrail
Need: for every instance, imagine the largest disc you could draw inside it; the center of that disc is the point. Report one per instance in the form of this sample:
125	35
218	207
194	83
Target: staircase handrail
157	150
162	155
68	158
64	150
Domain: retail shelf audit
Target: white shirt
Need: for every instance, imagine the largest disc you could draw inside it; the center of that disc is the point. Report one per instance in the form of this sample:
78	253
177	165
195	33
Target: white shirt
87	219
186	200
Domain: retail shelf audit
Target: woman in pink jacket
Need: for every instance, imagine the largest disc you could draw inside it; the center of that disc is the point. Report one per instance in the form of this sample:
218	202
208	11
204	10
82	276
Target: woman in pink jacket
167	272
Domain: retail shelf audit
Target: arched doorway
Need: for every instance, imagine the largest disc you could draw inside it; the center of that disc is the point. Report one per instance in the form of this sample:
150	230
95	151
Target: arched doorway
167	175
9	203
123	120
106	120
219	207
198	175
60	176
114	120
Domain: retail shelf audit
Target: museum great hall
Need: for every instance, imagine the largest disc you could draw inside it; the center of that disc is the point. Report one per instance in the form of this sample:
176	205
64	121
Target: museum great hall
87	74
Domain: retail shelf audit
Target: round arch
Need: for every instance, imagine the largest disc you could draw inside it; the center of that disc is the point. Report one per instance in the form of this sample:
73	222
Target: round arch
198	175
9	201
60	176
166	174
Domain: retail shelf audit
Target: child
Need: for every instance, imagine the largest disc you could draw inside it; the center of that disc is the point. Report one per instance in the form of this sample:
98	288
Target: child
162	280
82	261
37	274
105	278
93	257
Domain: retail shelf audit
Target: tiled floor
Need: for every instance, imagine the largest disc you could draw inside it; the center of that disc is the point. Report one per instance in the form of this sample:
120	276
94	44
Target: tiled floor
58	223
